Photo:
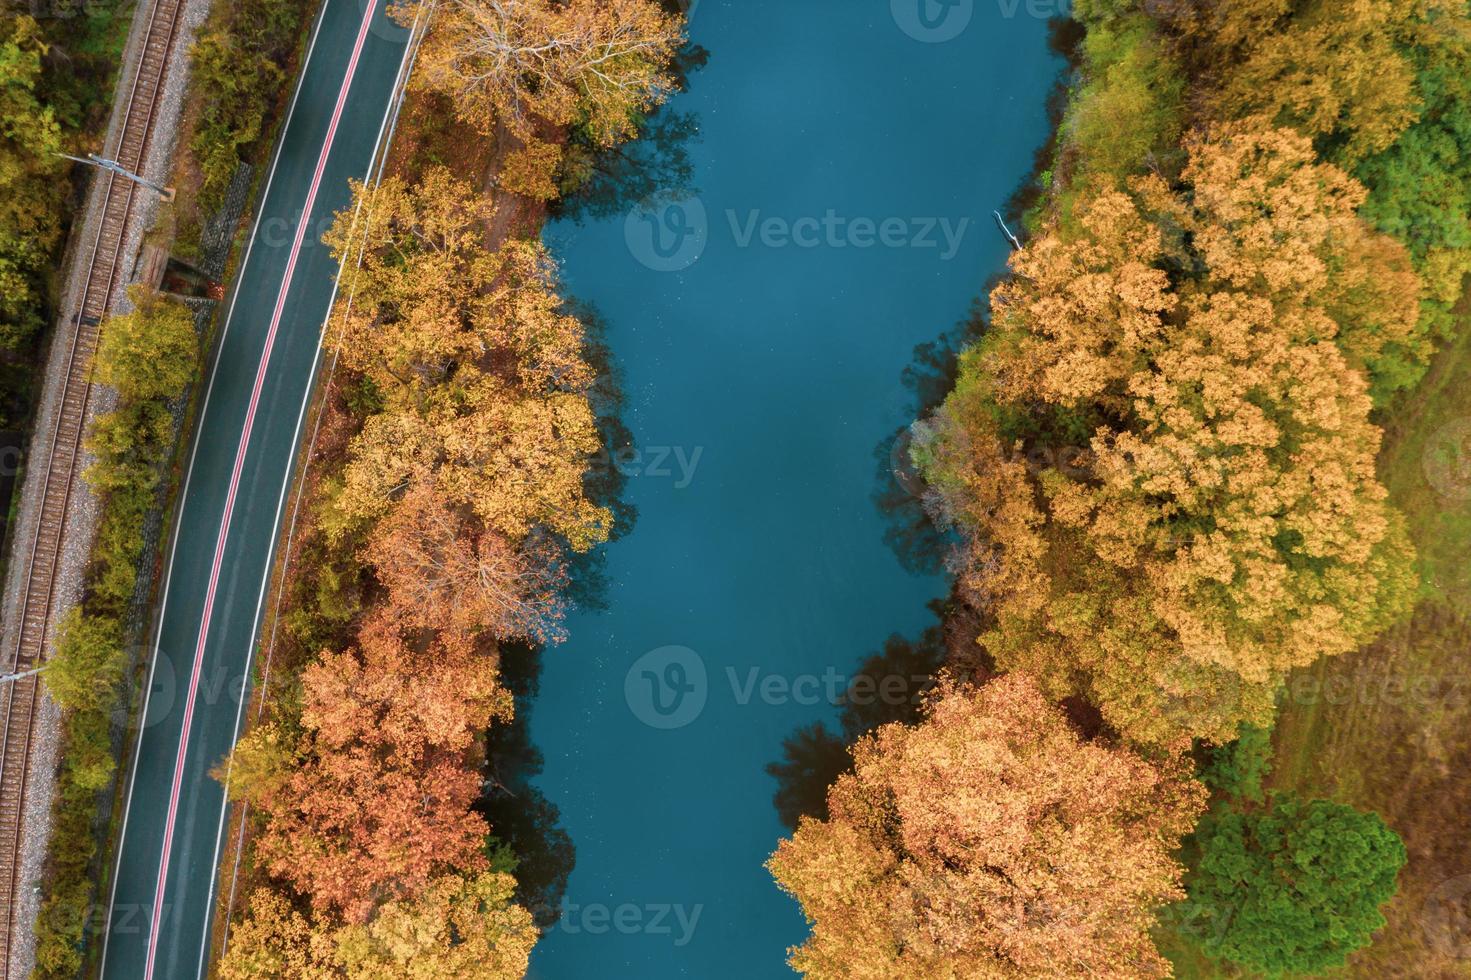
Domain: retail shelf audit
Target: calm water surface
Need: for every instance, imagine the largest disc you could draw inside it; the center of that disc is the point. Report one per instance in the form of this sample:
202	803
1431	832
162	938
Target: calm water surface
759	380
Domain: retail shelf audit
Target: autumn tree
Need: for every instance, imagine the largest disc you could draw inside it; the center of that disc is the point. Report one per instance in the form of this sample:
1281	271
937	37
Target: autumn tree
1334	71
441	574
1162	452
466	928
459	928
1295	887
430	295
532	64
151	351
274	940
380	801
484	379
989	841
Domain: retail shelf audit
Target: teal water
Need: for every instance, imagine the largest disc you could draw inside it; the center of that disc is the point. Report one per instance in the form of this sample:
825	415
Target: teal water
760	375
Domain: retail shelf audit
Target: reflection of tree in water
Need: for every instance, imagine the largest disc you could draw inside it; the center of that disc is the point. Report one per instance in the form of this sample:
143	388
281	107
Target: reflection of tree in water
604	482
889	686
601	182
908	531
518	814
1064	39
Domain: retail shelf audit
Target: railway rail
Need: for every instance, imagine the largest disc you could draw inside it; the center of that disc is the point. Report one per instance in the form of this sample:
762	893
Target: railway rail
106	266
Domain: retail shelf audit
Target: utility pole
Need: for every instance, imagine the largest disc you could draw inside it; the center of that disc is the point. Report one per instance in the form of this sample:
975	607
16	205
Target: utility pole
113	167
12	678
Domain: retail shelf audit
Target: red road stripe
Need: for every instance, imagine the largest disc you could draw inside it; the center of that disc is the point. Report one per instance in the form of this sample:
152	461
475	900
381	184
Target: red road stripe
214	575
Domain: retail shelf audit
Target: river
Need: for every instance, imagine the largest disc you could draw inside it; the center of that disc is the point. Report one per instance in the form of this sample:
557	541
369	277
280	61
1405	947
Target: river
850	155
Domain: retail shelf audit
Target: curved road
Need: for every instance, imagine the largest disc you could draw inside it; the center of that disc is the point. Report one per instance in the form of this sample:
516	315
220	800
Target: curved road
160	909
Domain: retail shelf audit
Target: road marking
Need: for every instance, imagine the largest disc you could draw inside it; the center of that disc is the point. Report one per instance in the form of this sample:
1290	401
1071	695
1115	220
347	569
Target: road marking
395	101
189	478
214	575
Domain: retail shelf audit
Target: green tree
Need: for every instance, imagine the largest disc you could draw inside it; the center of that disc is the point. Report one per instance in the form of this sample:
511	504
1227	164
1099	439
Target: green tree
239	68
1238	768
1294	888
151	352
88	664
1132	103
30	184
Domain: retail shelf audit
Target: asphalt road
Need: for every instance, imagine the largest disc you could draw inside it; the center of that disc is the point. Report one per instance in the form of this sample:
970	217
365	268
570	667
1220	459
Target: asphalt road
159	910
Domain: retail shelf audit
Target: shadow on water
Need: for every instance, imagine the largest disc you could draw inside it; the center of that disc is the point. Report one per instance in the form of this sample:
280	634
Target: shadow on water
609	181
605	480
898	491
605	182
889	686
814	756
519	815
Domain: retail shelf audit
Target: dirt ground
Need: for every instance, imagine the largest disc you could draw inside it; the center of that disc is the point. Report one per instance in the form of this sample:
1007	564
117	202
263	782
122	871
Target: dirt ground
1389	727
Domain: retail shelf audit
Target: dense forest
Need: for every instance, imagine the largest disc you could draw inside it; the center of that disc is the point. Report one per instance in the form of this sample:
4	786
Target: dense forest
1160	455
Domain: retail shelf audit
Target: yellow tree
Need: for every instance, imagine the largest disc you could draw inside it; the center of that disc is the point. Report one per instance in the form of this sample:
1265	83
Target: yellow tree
1333	69
483	377
532	64
457	929
425	294
516	460
275	940
1162	452
989	841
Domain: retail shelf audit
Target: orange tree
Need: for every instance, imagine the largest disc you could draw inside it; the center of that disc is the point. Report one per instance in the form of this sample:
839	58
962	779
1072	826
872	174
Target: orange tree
989	841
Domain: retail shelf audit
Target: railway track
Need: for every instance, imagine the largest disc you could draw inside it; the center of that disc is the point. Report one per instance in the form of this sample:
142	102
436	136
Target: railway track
105	269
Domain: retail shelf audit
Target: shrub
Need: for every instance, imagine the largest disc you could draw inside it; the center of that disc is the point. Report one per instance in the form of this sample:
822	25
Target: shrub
1294	888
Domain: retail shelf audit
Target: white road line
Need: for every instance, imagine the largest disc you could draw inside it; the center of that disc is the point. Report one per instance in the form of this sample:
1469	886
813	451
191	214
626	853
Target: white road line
240	454
189	475
388	114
